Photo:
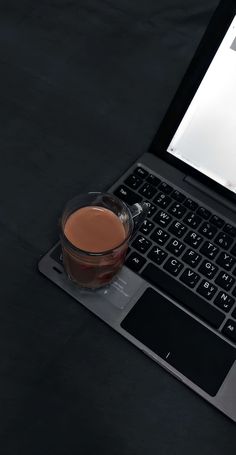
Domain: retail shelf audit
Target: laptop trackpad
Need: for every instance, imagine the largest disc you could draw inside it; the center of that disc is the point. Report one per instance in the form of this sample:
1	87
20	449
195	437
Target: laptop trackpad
183	342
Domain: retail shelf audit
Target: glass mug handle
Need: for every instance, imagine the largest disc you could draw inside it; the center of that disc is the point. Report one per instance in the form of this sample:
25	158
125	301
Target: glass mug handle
138	212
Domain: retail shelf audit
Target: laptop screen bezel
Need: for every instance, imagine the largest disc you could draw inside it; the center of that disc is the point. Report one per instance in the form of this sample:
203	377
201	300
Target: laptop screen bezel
206	50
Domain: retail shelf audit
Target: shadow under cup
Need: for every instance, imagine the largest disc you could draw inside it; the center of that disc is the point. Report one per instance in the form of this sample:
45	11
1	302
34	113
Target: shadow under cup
93	270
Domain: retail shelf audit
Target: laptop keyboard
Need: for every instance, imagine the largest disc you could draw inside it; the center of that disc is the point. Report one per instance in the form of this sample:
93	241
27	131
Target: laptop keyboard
184	249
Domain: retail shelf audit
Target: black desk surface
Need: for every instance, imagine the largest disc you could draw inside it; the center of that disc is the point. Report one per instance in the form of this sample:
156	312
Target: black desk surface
84	85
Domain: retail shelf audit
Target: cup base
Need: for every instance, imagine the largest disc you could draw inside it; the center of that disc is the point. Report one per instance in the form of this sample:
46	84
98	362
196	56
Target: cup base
89	287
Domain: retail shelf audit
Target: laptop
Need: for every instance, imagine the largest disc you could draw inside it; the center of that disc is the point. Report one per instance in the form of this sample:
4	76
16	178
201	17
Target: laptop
175	297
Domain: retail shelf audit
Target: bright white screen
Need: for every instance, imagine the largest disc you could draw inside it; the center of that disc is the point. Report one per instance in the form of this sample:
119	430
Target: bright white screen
206	137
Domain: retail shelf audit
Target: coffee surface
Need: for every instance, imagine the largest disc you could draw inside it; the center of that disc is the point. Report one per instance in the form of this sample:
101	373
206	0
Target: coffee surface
94	229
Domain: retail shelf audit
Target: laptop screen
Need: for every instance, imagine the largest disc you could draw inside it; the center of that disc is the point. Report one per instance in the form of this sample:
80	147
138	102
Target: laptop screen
206	136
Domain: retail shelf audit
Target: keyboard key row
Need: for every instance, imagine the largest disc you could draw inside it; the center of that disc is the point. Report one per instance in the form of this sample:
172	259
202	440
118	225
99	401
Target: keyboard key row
192	239
190	257
188	202
154	181
223	300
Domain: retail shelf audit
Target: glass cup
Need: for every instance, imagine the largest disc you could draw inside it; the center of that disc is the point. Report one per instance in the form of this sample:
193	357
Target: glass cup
94	270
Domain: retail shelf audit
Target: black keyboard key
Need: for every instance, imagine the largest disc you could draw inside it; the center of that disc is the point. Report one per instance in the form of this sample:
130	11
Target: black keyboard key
153	180
190	204
192	258
157	255
162	218
234	314
177	228
162	200
193	239
190	278
207	289
204	213
141	172
127	195
225	280
177	209
208	269
141	244
224	301
208	230
231	230
133	181
229	330
179	197
159	236
165	188
225	260
152	209
173	266
192	220
209	250
175	247
147	190
183	295
147	227
135	262
223	240
217	221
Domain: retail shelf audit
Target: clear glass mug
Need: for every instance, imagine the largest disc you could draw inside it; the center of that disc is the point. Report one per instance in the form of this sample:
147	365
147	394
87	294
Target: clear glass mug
94	270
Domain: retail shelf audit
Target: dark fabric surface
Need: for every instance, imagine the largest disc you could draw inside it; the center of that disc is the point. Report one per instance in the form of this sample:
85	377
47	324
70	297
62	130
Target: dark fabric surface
84	84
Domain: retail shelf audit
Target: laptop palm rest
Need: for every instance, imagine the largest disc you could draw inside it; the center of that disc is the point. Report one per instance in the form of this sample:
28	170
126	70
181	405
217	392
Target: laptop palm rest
193	350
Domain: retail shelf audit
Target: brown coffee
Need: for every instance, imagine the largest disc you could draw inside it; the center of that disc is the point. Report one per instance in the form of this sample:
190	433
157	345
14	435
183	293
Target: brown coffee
94	229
